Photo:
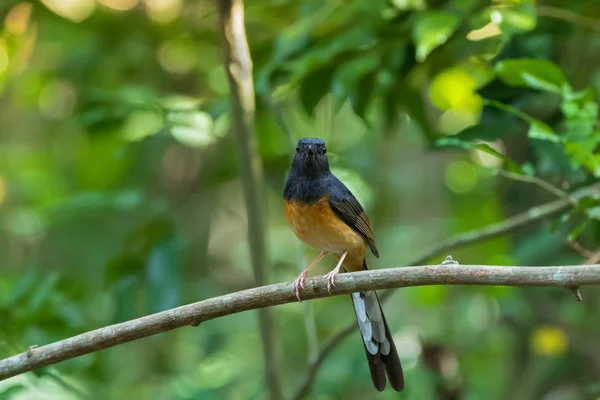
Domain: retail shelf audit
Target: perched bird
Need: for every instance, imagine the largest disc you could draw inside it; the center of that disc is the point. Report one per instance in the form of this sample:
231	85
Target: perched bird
325	215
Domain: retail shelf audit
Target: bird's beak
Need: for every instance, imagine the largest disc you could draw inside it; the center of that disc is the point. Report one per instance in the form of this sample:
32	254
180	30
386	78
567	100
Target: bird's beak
311	150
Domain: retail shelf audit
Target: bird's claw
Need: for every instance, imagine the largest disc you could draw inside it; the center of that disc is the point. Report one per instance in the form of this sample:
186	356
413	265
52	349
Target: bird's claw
330	280
299	283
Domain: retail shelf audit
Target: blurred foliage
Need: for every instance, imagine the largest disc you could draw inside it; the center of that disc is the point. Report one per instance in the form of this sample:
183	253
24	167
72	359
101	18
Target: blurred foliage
120	196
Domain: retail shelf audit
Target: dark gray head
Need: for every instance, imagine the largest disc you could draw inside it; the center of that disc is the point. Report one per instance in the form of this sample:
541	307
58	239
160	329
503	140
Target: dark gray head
311	158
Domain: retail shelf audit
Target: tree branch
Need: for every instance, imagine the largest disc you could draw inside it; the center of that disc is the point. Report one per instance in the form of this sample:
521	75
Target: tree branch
568	16
238	67
504	227
561	194
509	225
281	293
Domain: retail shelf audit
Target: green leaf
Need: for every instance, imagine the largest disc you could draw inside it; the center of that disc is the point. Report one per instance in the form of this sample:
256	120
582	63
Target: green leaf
467	145
362	95
581	111
411	101
163	271
531	73
121	266
194	129
314	87
594	212
537	129
347	76
12	391
431	30
514	17
141	124
541	131
582	153
42	294
577	231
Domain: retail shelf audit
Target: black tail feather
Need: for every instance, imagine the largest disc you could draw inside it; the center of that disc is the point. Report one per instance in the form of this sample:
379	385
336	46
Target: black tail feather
380	349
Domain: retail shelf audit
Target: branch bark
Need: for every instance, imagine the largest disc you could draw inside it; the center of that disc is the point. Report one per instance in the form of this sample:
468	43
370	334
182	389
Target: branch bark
281	293
238	67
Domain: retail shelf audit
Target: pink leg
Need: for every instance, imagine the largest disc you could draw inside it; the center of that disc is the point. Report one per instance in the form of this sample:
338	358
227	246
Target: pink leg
331	275
299	282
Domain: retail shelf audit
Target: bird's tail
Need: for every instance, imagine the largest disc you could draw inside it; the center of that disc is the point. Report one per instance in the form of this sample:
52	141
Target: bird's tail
377	339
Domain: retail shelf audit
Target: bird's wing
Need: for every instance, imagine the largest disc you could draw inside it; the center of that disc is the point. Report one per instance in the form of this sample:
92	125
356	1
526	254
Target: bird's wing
345	206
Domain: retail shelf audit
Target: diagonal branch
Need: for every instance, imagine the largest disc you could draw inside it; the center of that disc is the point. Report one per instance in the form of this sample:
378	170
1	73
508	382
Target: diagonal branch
281	293
568	16
550	188
534	214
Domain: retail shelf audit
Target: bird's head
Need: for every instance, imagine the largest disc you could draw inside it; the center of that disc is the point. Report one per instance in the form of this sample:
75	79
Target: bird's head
311	158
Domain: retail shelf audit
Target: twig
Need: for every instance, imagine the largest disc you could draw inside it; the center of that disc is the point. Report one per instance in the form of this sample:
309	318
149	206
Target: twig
314	365
238	67
576	293
281	293
575	245
507	226
67	385
561	194
568	16
595	258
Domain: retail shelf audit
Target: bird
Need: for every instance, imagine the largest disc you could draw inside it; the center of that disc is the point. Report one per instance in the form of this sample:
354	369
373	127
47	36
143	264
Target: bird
324	214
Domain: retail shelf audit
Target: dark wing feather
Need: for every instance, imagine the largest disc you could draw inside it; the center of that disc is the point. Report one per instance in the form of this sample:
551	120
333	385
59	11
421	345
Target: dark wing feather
345	205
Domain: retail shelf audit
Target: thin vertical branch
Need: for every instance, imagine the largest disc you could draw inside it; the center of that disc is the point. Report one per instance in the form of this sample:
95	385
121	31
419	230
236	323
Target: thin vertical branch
238	66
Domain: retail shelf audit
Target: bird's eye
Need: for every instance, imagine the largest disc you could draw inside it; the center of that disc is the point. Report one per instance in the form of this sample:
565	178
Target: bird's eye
324	151
297	149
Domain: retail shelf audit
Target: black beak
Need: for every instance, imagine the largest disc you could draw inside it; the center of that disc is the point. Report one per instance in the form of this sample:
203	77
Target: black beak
311	150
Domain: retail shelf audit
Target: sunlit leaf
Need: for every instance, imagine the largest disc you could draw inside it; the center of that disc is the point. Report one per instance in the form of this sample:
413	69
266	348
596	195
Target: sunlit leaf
194	129
431	30
532	73
515	17
180	103
594	212
581	112
463	144
141	124
541	131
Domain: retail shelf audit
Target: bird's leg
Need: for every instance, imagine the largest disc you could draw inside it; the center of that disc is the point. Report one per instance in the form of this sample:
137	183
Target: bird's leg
299	282
331	275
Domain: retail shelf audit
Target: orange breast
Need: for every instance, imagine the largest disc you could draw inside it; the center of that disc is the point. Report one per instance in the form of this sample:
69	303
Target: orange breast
319	227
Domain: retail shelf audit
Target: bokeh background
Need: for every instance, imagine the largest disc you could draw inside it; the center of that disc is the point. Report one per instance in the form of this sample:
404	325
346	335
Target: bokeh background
120	192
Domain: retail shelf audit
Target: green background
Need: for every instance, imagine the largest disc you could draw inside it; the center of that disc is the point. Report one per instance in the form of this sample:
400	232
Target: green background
120	193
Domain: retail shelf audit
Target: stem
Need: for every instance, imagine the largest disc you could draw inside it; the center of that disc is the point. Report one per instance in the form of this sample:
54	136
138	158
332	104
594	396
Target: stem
238	66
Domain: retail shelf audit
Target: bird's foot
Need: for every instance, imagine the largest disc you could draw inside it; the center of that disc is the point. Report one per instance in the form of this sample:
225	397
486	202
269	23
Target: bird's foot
331	274
299	283
331	278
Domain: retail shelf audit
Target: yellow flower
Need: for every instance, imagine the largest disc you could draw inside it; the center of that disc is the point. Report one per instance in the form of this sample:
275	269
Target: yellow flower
549	341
